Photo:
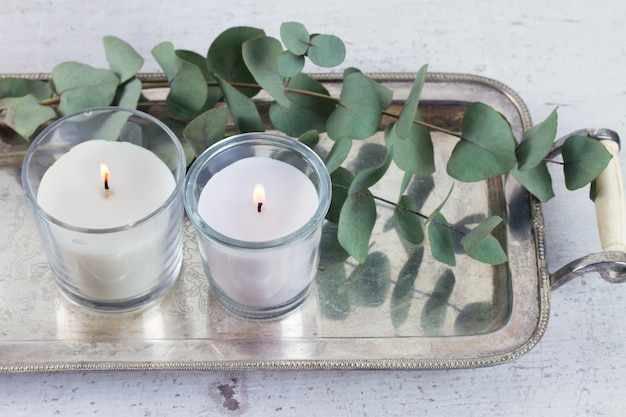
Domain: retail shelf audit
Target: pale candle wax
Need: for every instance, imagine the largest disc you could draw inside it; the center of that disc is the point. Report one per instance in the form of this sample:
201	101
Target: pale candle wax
117	265
270	276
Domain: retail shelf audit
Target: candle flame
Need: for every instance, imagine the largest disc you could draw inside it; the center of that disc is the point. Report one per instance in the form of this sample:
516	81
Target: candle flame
104	172
258	194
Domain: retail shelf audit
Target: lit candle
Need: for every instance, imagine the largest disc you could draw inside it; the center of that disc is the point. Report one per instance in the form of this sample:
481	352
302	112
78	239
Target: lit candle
109	212
258	202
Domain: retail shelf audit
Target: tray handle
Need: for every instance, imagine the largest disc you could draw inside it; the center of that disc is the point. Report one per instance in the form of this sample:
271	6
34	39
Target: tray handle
610	208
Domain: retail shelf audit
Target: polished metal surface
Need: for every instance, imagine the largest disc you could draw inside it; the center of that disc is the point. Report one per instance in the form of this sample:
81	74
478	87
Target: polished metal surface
400	309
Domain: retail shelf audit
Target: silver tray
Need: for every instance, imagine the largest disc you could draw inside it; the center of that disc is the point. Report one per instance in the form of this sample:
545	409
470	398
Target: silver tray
401	309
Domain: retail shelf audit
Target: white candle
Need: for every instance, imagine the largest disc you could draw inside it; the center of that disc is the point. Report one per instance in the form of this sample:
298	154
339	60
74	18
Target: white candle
265	277
108	266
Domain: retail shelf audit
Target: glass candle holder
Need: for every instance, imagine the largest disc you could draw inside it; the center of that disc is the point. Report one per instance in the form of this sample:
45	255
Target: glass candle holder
105	187
260	250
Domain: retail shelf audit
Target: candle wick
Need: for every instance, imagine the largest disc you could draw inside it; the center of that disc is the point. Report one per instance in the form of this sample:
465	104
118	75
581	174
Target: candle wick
258	207
106	182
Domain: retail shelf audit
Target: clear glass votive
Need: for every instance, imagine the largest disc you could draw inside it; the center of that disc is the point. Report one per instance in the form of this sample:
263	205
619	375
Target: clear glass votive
260	254
112	233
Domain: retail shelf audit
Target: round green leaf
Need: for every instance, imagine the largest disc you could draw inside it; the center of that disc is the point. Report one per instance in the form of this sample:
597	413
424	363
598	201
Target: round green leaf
409	111
25	114
290	65
206	129
225	56
584	160
337	154
358	114
261	56
295	37
244	111
18	87
487	146
537	181
341	179
123	60
536	143
128	94
81	86
326	50
482	246
367	177
414	154
214	94
356	222
440	238
310	138
408	223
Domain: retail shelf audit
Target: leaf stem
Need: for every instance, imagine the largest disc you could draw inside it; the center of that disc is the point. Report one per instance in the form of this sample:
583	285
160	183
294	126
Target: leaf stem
425	124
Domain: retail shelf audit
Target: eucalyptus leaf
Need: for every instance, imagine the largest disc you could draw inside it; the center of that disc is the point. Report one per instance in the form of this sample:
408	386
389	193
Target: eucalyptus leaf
537	181
207	129
370	176
370	281
80	86
536	143
482	246
243	109
408	223
18	87
261	56
358	114
326	50
338	153
384	94
414	154
356	222
310	138
487	146
128	94
584	159
25	115
225	58
341	179
440	237
123	60
290	65
409	111
188	88
435	309
214	94
403	290
305	112
295	37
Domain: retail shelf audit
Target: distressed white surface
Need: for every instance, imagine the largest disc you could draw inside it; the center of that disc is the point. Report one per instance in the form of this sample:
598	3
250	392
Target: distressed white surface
562	53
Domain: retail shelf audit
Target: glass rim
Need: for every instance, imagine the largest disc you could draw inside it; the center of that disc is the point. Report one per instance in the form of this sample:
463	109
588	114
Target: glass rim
179	178
264	138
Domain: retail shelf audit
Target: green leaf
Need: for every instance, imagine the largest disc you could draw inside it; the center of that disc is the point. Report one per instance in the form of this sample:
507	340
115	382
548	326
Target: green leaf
403	291
326	50
295	37
81	86
409	111
370	281
537	181
584	160
214	94
440	237
188	89
243	109
18	87
434	311
25	114
310	138
414	154
356	222
358	114
261	55
206	129
123	60
341	179
482	246
290	65
367	177
338	153
225	59
384	94
305	112
409	224
487	148
536	143
128	94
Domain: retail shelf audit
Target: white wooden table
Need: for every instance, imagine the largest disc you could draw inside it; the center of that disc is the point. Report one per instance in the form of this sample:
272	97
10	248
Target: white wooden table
570	54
